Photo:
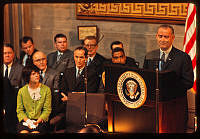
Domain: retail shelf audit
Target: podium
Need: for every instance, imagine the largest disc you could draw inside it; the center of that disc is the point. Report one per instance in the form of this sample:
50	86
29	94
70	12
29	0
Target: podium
143	119
75	110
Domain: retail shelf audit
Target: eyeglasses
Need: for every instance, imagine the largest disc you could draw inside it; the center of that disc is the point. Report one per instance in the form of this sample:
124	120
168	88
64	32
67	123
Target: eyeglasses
39	60
91	45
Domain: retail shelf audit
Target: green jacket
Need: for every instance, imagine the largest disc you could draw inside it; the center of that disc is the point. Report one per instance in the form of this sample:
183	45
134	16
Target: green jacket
32	109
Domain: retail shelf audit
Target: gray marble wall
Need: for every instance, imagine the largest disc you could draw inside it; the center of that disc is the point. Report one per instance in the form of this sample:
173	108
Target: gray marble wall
138	38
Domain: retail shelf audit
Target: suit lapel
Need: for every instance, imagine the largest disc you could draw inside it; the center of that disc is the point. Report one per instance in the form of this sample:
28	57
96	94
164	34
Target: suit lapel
80	78
45	78
169	58
54	60
12	71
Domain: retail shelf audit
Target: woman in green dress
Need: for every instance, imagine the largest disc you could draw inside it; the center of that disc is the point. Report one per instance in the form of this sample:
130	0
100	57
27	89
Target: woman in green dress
33	103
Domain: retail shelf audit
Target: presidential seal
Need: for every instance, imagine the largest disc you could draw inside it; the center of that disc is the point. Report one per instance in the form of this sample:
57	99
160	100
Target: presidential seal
131	89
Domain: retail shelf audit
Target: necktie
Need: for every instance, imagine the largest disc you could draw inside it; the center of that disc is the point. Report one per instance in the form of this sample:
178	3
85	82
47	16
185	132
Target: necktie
89	61
6	72
58	57
41	77
162	60
79	73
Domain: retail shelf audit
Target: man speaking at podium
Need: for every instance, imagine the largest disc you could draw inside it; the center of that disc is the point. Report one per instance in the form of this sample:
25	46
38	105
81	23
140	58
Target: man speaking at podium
172	113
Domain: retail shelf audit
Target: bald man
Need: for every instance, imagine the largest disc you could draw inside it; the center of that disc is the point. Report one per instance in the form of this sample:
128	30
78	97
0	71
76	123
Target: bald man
50	77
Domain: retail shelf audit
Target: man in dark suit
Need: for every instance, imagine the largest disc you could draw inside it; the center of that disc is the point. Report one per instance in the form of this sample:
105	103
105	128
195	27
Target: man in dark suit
74	78
119	57
129	60
61	58
95	60
12	73
173	113
51	78
28	49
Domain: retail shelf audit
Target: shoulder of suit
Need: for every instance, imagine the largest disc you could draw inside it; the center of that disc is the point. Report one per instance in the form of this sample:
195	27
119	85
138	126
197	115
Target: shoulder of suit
100	57
52	54
51	71
17	65
130	58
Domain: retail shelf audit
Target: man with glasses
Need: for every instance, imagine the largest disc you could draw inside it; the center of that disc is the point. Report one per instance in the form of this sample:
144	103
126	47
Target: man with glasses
61	58
95	60
28	49
119	57
50	77
129	61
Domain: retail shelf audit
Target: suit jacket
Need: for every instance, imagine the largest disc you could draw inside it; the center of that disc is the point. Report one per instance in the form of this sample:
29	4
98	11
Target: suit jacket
177	61
15	76
131	62
52	79
29	60
70	83
11	86
65	61
97	65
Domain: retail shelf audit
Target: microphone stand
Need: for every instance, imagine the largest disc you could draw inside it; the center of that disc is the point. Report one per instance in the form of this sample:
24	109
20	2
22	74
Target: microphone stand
157	94
86	90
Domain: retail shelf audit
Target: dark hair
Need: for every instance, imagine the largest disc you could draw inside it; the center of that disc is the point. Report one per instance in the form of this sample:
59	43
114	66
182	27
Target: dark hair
82	48
26	72
60	35
8	45
118	50
90	38
25	39
166	26
115	43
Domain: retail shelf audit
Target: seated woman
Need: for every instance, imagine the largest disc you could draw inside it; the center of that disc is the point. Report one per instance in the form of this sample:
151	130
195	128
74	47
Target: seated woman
33	103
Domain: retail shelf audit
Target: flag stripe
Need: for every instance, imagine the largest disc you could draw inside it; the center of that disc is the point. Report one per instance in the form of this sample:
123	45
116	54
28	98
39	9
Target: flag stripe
190	44
194	62
190	19
189	41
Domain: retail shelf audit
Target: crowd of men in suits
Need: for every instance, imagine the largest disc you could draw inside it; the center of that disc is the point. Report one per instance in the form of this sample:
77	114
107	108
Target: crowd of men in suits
65	71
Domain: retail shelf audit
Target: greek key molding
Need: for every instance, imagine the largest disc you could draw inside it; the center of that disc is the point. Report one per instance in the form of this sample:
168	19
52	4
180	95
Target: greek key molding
145	12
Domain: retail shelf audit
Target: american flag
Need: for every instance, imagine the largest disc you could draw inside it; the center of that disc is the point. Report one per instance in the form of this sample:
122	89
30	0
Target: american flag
190	38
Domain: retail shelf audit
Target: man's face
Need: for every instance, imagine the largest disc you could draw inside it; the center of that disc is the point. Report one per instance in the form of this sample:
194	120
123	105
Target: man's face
79	58
28	47
61	44
119	57
91	46
165	38
40	60
8	55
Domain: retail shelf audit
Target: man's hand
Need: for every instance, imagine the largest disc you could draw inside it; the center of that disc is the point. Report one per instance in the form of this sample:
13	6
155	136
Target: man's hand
64	98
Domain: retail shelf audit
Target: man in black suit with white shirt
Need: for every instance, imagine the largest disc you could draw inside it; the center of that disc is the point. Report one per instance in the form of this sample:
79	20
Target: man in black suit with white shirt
173	118
74	78
95	60
12	81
